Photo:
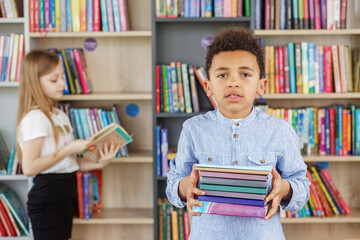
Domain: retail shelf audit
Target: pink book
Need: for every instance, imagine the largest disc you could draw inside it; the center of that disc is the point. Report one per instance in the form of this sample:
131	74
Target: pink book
328	70
96	16
110	15
317	14
47	15
233	175
20	57
281	69
80	192
267	14
36	16
227	8
186	225
342	66
124	18
277	79
10	57
332	117
80	69
229	209
343	14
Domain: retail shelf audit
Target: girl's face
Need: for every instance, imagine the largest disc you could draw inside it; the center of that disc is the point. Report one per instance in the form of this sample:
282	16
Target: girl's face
53	83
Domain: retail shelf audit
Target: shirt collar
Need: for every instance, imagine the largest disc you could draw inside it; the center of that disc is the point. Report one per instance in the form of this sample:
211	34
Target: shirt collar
243	122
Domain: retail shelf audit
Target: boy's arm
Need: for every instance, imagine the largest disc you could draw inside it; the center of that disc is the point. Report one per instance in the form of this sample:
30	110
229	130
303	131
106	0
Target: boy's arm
180	167
292	168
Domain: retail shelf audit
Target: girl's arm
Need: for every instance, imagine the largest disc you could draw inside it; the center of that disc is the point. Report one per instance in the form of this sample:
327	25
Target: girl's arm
33	164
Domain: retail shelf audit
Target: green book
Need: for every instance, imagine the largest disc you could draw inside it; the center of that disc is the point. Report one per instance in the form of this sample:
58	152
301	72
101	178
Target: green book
225	188
247	6
166	89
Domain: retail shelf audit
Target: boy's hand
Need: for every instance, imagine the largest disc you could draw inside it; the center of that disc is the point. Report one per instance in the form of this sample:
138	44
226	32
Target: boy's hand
281	189
107	153
189	187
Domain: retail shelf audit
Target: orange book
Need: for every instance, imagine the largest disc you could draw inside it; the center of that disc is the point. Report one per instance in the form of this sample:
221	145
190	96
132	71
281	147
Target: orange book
83	27
174	226
31	15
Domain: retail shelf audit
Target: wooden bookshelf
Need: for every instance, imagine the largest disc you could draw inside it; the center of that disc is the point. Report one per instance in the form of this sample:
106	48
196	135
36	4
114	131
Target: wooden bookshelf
307	32
339	159
201	20
301	96
107	96
135	157
12	20
9	84
119	216
126	34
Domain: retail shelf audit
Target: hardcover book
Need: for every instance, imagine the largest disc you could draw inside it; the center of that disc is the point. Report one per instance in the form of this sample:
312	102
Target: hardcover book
114	132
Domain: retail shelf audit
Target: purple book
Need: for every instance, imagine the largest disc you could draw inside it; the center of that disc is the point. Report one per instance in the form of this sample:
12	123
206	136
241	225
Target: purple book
164	151
241	201
235	194
323	14
233	175
312	14
231	209
47	15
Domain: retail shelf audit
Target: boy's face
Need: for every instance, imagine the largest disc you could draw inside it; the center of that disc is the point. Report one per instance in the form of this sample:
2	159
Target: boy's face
234	82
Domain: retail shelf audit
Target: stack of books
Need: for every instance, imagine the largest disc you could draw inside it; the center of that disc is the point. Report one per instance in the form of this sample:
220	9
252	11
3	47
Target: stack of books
233	190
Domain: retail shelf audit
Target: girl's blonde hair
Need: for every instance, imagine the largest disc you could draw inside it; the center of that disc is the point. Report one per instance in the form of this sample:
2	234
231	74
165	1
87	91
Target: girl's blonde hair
36	64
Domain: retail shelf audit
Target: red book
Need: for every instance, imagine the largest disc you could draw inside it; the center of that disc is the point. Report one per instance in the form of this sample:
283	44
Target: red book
36	16
186	225
317	13
267	14
277	81
281	69
332	115
80	192
331	190
96	16
157	83
124	19
328	73
344	132
81	72
32	15
315	194
2	228
332	184
322	197
286	115
7	220
6	228
306	13
343	14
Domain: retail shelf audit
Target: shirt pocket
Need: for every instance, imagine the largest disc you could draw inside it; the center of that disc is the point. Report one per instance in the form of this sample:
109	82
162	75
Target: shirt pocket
211	158
261	159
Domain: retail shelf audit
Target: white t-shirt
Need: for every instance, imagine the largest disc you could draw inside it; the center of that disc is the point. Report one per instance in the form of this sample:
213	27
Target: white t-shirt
35	124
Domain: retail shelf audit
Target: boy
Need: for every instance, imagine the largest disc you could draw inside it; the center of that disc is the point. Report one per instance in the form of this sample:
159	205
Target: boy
237	134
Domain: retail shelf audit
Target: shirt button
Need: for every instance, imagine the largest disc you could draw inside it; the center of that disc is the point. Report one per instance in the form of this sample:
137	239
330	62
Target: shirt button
235	135
236	124
262	161
235	162
209	159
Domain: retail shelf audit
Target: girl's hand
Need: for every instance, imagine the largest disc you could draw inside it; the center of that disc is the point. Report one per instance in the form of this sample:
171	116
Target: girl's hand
79	145
107	153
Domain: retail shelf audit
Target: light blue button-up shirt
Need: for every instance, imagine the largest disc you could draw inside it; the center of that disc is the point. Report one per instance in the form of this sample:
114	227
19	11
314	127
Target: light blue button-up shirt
257	140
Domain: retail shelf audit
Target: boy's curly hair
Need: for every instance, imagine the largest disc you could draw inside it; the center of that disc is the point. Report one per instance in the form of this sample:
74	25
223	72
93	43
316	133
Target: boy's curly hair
232	39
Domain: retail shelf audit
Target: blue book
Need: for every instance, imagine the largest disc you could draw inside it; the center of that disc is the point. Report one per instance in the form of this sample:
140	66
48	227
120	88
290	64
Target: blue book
73	123
292	67
84	123
357	132
258	14
251	168
202	8
311	68
327	131
187	8
124	150
340	130
218	8
52	14
89	16
158	151
171	98
282	14
295	14
67	88
311	129
115	6
68	16
241	201
5	59
12	156
164	152
104	118
86	179
104	17
80	131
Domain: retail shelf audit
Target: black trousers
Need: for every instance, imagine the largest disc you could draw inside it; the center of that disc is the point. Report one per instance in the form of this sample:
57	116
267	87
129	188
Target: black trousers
50	206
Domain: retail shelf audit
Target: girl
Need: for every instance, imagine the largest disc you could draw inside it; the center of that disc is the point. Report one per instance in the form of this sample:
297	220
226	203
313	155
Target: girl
46	146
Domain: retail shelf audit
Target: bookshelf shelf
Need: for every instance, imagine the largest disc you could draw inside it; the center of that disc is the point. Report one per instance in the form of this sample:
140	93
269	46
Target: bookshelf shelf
311	32
312	96
19	238
119	216
331	158
201	20
354	217
89	34
135	157
13	177
107	96
9	84
12	20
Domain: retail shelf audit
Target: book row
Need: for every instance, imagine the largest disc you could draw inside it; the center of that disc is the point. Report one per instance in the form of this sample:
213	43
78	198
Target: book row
75	71
306	68
325	199
176	88
174	223
78	16
88	121
11	56
202	8
9	164
89	187
323	131
13	217
300	14
11	8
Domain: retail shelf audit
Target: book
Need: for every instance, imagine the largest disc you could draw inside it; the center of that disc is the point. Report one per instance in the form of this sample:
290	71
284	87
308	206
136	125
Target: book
113	132
233	175
261	170
235	195
240	201
232	182
231	209
233	189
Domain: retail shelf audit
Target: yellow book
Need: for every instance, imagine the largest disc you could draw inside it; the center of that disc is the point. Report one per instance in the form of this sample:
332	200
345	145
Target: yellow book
174	226
272	70
323	188
75	11
114	132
